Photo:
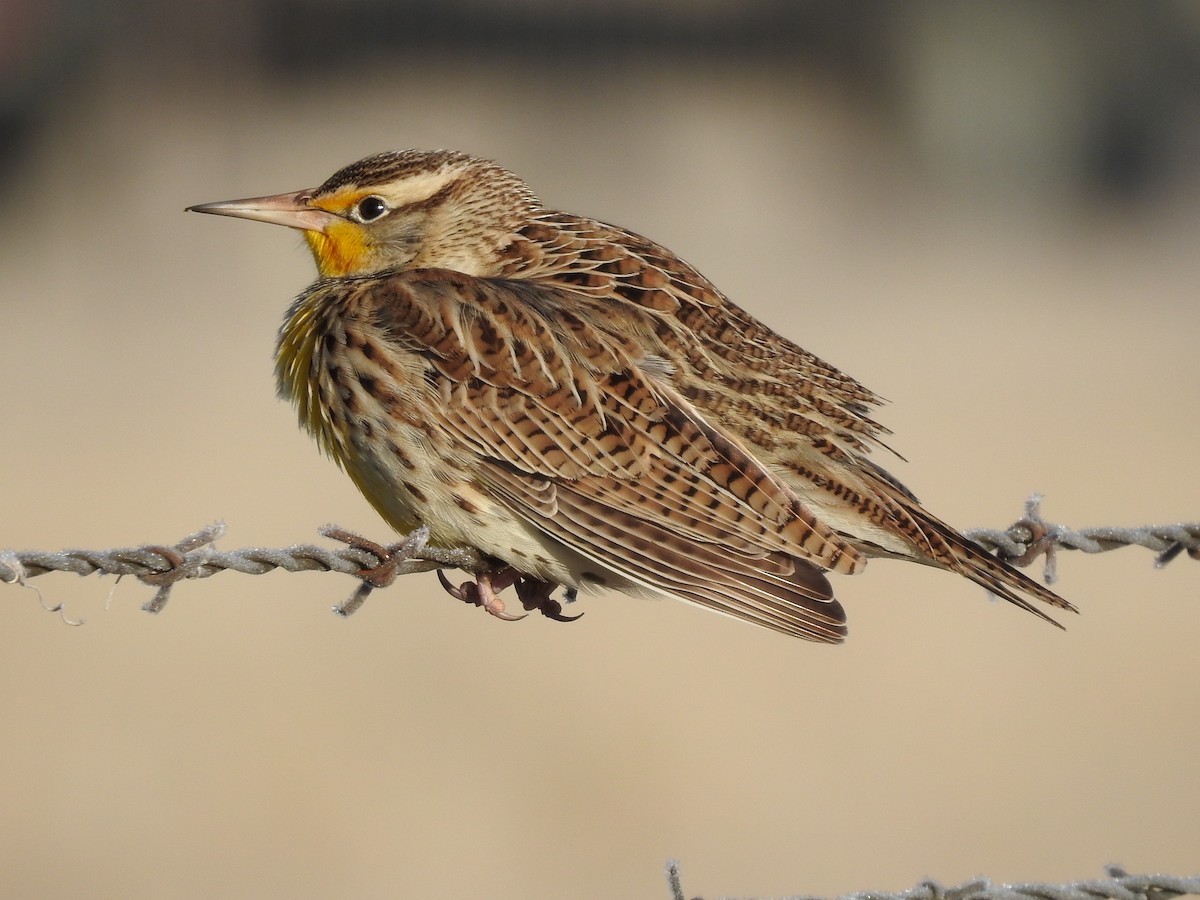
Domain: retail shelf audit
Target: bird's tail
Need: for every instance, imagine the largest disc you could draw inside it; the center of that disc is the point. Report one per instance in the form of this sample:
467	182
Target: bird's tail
938	544
949	549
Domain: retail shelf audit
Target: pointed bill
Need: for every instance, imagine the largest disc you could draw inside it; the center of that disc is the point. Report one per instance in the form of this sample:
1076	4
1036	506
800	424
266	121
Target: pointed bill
292	209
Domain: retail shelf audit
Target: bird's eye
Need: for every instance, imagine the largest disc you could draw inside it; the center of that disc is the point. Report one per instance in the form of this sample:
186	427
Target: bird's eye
370	208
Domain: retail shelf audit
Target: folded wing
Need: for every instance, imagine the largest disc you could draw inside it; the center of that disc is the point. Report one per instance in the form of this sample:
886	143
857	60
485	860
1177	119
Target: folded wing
577	430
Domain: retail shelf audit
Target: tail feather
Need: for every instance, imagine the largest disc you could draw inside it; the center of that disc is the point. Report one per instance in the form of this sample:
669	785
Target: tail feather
937	544
949	549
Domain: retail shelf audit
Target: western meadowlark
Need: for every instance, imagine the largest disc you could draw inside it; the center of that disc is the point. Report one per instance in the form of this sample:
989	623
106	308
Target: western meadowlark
582	406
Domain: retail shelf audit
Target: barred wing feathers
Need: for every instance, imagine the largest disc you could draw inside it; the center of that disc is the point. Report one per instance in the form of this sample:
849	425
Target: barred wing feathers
577	430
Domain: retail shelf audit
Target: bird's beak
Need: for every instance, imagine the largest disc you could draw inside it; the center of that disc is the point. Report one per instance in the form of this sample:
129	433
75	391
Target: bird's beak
293	210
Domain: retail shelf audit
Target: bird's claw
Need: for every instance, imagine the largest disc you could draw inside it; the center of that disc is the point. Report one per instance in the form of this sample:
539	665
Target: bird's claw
555	612
536	595
458	592
480	592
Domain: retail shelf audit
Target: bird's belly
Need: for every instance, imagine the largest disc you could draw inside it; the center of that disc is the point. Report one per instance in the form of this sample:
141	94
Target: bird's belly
410	486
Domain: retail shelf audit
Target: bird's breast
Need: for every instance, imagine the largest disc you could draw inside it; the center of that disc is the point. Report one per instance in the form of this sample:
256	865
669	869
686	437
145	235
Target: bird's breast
366	400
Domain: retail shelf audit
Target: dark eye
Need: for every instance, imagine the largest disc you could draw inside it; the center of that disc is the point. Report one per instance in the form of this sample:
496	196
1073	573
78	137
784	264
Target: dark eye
370	208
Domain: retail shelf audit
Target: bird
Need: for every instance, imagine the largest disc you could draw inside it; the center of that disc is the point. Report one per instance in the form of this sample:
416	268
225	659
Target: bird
582	407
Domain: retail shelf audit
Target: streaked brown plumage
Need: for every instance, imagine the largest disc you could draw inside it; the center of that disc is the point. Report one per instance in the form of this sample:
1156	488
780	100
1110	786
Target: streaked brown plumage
580	404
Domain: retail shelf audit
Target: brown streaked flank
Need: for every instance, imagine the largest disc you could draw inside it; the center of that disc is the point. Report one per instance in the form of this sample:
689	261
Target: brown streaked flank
582	406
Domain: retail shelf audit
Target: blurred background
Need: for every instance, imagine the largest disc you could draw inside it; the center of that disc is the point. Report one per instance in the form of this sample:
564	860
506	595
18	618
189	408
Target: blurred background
986	212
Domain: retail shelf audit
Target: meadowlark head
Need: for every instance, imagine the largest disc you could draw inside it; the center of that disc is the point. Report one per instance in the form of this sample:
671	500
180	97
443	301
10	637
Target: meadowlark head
399	210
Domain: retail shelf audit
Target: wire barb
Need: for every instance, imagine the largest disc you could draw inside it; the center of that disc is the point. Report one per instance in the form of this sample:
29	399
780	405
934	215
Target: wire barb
1119	885
383	573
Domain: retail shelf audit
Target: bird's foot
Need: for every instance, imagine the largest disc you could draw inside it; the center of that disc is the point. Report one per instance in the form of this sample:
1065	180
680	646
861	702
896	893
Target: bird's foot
535	594
484	591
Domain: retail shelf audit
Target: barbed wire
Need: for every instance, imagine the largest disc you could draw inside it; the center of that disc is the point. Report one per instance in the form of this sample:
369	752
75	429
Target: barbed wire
195	556
1120	885
1032	536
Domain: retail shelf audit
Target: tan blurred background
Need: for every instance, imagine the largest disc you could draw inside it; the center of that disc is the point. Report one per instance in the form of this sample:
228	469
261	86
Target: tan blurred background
988	213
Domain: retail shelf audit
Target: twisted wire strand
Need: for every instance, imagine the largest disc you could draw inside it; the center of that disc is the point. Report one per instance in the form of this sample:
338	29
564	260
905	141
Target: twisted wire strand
162	566
1032	536
195	556
1119	885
